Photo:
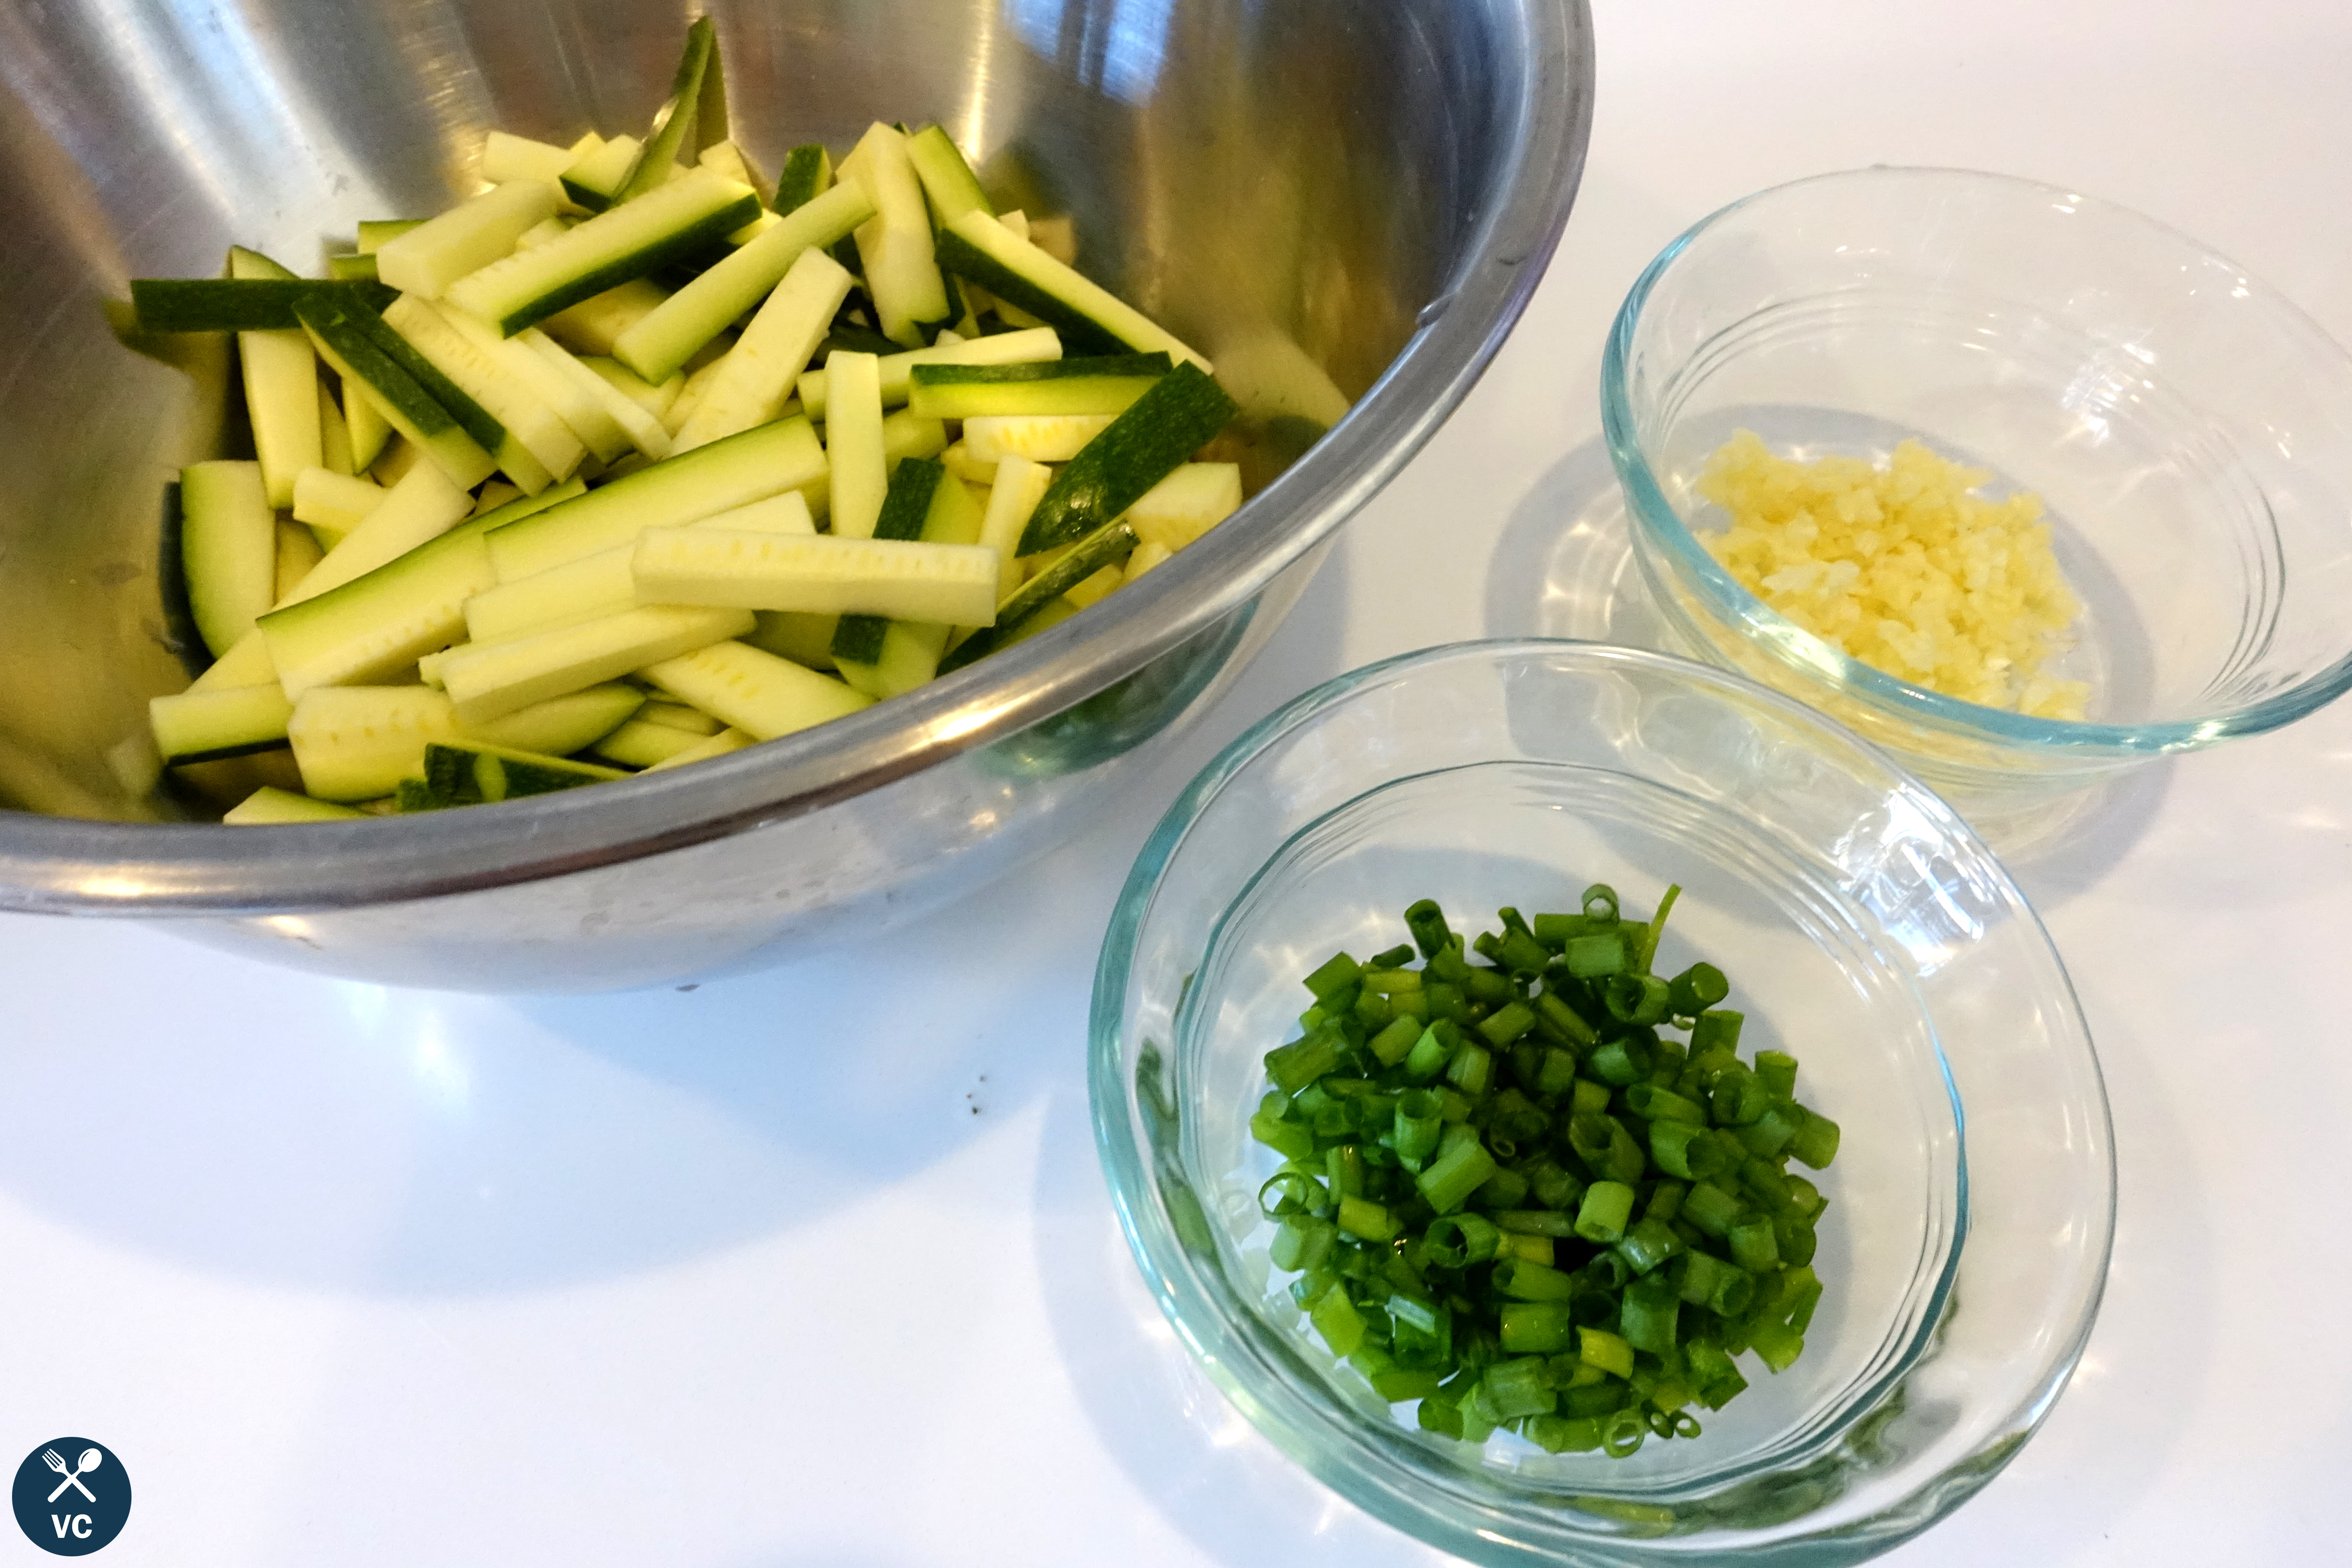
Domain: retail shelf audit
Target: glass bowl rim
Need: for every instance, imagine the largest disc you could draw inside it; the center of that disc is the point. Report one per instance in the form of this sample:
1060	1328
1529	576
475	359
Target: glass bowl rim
1160	1255
1817	660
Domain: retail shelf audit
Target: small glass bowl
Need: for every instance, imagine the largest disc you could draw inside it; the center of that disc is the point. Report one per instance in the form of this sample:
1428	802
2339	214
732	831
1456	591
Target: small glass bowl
1864	928
2189	430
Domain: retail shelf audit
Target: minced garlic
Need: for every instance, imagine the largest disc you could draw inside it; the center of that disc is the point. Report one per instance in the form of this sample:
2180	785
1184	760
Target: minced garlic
1903	568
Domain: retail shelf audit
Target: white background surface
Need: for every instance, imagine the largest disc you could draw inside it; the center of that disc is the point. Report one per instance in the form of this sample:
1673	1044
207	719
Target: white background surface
817	1269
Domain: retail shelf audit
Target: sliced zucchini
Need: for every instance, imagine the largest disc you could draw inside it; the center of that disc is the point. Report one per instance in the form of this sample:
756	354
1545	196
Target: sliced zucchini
357	742
785	513
583	590
1101	587
537	447
817	574
247	663
857	639
562	725
334	436
638	420
597	174
601	583
965	466
370	431
400	455
759	372
297	552
538	234
1193	498
423	506
1106	546
506	157
678	716
856	474
468	237
1106	385
1040	438
575	396
594	325
1181	413
753	465
804	639
228	549
631	240
377	625
894	246
383	381
201	726
377	621
1038	343
729	161
683	111
689	395
653	400
1148	554
906	436
270	807
752	691
807	175
680	328
493	496
906	653
718	745
238	304
351	268
640	744
481	775
373	232
1020	485
488	681
948	181
281	388
1015	271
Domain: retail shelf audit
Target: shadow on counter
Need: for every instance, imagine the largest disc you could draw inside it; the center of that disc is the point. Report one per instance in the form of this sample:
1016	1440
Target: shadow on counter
344	1136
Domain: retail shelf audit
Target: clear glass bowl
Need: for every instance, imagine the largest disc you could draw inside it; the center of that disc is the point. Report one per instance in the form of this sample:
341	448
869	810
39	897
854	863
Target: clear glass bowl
1863	927
2188	429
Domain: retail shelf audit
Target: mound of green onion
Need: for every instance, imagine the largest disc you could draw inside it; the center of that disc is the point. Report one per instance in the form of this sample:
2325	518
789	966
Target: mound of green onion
1511	1194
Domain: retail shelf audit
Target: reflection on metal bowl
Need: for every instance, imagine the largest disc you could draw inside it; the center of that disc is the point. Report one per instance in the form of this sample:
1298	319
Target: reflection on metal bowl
1336	202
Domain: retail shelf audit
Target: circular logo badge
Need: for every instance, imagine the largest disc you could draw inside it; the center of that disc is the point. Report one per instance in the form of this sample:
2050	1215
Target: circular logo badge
71	1495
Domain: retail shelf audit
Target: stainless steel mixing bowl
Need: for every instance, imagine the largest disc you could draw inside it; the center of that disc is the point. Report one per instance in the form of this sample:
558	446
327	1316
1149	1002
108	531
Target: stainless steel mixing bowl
1371	189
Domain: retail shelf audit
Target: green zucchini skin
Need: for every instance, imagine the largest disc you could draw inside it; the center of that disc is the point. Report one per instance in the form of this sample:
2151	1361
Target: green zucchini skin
946	372
240	304
1183	410
808	174
181	637
335	331
471	417
479	775
1107	384
680	112
1114	541
857	639
587	262
1080	332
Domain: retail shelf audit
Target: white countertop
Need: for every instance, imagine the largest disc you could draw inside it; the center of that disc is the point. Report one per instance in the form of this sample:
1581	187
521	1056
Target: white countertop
816	1270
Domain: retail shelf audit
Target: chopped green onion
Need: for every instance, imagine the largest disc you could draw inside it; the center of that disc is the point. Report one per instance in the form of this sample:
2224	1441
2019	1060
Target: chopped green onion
1512	1193
1287	1193
1335	975
1596	956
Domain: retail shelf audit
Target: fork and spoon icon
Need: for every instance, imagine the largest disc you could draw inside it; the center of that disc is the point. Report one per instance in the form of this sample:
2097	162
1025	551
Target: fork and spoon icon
91	1459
